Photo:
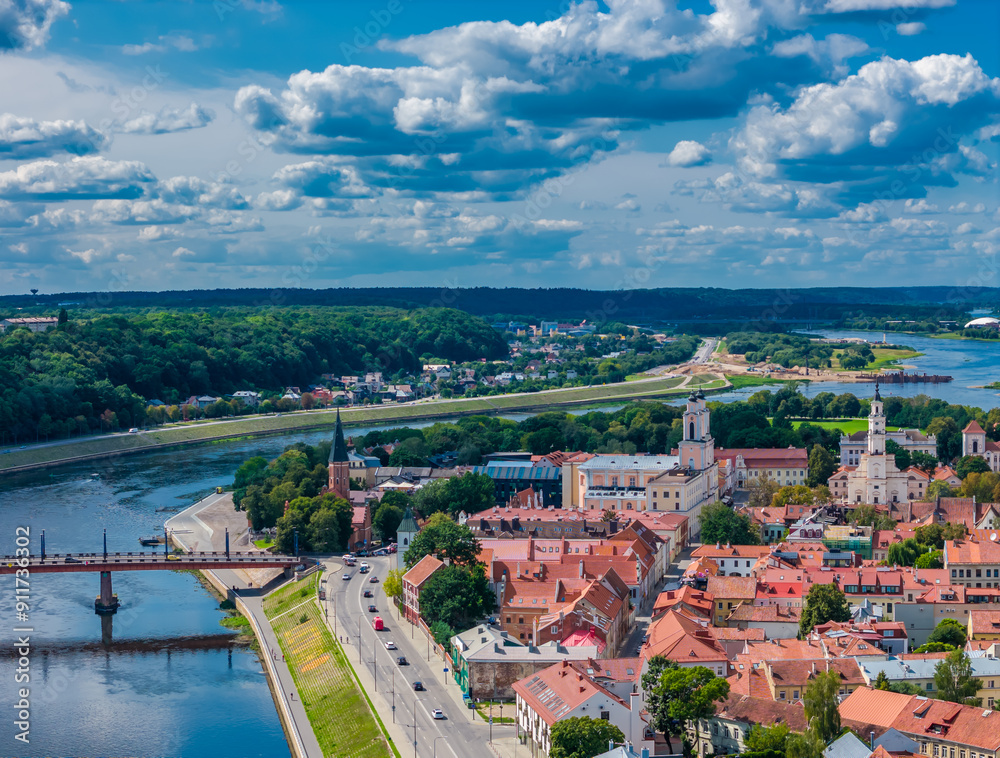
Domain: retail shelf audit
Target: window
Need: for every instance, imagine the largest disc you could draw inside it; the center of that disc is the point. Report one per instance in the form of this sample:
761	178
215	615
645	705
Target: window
781	695
606	715
795	694
555	630
979	573
508	619
929	686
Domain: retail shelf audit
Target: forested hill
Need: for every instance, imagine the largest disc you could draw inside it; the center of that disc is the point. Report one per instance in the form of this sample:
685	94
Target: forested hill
662	304
67	377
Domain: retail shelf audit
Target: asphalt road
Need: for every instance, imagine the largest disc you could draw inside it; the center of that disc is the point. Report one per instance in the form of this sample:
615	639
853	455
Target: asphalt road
455	736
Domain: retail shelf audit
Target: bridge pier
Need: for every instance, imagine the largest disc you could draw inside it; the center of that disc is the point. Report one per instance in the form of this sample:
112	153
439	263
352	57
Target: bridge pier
107	602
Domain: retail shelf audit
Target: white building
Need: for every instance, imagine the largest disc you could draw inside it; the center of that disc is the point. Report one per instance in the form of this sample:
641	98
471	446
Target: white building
975	442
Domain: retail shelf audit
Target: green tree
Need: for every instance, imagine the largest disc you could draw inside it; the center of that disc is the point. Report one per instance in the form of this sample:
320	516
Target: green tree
969	464
582	737
904	553
444	538
457	595
823	603
935	647
442	634
939	488
686	695
822	705
761	739
906	688
63	316
881	681
903	458
762	490
720	523
392	585
985	487
924	461
660	719
386	521
931	560
869	515
954	680
821	465
950	632
807	745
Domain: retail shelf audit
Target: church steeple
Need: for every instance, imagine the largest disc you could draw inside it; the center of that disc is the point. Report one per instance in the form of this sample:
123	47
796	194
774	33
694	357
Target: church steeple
339	464
338	450
876	425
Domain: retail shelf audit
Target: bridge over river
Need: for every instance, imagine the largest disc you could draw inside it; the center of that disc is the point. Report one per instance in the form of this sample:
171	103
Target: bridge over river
106	562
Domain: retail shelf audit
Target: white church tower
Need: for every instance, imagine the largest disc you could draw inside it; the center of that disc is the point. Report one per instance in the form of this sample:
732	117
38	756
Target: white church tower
697	448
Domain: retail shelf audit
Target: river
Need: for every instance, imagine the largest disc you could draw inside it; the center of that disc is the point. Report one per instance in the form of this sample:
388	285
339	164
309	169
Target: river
94	699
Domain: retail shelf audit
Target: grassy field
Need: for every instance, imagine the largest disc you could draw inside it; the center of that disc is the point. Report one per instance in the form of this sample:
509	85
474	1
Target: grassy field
246	427
846	425
751	380
884	358
339	712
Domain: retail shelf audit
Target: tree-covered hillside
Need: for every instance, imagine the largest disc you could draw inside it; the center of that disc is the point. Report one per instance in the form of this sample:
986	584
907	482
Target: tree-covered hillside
60	381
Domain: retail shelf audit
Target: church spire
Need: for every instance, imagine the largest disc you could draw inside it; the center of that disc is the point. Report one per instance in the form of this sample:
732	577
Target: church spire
338	450
877	396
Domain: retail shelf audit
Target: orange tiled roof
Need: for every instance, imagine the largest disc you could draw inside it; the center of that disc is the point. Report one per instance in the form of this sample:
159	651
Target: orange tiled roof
984	622
422	570
683	640
742	587
556	691
962	724
870	706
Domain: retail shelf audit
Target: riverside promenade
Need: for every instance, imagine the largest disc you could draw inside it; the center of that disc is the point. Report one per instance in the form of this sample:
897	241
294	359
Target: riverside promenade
203	527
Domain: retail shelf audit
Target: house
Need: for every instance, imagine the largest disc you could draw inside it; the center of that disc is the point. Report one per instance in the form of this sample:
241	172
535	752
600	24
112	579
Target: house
726	731
728	592
733	560
249	398
975	442
973	561
984	625
413	581
561	692
685	641
786	466
361	522
788	679
778	622
486	661
940	727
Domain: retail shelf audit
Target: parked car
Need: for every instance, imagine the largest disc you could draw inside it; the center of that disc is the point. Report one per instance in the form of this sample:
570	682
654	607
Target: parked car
367	593
418	686
402	661
372	609
437	713
390	645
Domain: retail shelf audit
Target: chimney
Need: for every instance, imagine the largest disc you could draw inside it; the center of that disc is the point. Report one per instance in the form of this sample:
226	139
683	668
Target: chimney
581	568
645	752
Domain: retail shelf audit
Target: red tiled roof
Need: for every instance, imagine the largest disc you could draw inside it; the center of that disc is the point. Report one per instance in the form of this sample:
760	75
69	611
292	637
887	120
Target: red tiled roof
556	691
973	427
984	622
870	706
765	711
742	587
422	570
683	640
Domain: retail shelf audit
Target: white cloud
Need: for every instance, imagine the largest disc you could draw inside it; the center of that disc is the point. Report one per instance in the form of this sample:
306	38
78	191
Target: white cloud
22	138
25	24
79	178
688	153
919	206
166	42
911	29
169	120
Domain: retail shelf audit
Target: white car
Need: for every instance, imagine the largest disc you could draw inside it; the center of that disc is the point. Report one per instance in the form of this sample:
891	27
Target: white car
437	713
390	645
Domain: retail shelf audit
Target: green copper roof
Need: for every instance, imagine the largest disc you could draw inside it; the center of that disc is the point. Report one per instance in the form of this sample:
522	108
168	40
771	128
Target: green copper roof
338	451
408	524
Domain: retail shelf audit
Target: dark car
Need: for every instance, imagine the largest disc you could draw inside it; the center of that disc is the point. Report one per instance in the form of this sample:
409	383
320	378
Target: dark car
71	559
367	593
373	579
402	661
372	609
418	686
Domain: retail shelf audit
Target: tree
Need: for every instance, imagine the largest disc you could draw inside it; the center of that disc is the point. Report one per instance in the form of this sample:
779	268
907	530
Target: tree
442	634
904	553
457	595
63	316
392	585
954	681
823	603
924	461
903	458
985	487
969	464
935	647
950	632
821	465
807	745
881	681
822	705
869	515
931	560
795	494
444	538
720	523
660	719
684	695
762	739
386	521
582	737
906	688
939	488
762	490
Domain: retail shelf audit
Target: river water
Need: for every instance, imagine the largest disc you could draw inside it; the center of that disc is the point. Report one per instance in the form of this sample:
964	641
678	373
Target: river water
92	699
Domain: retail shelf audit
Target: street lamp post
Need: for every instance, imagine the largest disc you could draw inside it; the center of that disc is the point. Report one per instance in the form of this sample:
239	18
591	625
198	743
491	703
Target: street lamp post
394	696
359	637
414	726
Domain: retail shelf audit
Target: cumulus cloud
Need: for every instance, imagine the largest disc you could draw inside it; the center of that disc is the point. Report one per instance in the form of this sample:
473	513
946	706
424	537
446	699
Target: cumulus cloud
22	138
169	120
688	153
78	179
893	114
911	28
25	24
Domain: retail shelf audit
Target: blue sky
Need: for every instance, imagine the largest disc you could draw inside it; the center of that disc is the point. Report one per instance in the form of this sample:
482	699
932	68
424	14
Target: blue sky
639	143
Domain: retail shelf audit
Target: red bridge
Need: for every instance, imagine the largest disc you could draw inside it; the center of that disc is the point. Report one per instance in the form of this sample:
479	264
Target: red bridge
105	563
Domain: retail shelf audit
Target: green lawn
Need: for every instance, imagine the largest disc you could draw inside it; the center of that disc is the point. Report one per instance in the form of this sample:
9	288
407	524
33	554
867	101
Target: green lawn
339	712
263	544
847	425
884	358
751	379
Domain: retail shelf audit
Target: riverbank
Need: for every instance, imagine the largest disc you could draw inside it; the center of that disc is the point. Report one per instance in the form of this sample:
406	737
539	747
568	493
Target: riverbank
258	426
